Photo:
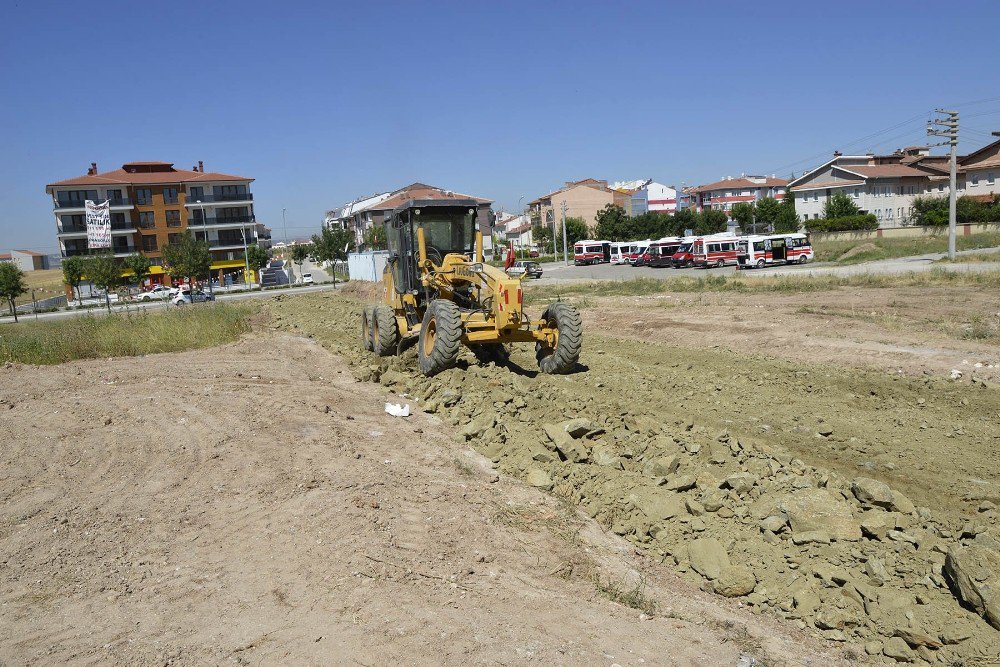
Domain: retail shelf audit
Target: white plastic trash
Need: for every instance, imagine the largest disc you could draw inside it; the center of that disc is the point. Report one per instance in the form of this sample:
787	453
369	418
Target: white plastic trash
397	410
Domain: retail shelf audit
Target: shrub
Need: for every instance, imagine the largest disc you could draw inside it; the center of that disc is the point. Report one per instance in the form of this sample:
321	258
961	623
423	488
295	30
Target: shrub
851	223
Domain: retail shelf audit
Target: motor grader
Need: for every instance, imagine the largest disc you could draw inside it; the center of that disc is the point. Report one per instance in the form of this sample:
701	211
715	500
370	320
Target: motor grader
440	294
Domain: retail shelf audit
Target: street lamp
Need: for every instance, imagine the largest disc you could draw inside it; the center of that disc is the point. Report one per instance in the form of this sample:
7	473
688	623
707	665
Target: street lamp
284	228
203	220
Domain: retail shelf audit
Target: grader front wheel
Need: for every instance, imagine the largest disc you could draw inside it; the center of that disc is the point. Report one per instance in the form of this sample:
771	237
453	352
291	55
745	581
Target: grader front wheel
561	357
366	328
385	331
440	337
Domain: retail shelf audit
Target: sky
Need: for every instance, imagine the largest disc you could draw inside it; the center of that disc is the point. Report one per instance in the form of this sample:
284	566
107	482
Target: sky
324	102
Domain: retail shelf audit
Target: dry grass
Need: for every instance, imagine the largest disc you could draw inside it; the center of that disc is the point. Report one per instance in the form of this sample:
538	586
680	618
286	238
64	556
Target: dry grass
889	248
630	597
47	284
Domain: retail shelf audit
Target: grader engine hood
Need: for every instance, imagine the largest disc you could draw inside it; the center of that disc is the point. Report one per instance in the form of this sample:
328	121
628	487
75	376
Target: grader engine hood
508	303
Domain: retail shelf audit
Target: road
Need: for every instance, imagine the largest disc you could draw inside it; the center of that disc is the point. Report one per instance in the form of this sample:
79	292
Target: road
160	305
556	272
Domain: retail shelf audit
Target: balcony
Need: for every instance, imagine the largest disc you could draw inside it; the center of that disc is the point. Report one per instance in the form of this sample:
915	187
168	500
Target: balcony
228	244
119	251
81	230
239	220
218	199
115	203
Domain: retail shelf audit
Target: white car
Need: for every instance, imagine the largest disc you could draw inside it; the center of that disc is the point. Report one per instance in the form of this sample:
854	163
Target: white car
307	278
184	297
159	292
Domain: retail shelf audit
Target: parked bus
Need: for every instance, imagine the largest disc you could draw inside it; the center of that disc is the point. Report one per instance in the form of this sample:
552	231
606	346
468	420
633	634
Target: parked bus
638	249
620	252
716	250
759	251
682	256
661	252
591	252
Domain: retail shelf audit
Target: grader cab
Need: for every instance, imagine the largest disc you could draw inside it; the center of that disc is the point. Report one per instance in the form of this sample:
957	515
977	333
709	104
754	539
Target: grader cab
441	294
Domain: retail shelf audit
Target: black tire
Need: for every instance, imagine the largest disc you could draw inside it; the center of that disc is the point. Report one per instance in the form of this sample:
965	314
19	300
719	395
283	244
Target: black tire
720	264
761	263
385	331
563	357
487	353
366	328
440	337
802	259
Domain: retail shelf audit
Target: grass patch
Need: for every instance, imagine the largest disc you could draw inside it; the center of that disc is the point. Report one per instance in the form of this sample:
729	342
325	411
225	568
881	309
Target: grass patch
890	248
630	597
754	285
123	334
978	257
46	283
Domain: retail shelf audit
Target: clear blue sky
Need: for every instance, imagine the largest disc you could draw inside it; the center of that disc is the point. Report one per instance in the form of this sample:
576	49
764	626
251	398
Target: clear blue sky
322	102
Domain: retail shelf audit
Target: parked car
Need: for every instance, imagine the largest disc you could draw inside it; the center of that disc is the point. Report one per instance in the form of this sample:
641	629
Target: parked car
184	297
158	292
307	278
531	269
532	253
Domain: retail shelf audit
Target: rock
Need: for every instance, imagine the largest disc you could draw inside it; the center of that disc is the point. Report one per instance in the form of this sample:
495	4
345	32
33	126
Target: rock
577	428
681	483
811	510
572	450
871	492
876	571
542	454
478	426
713	501
740	482
901	503
662	466
694	507
708	557
657	506
773	523
874	647
875	525
604	455
832	618
735	581
539	479
973	574
811	536
915	638
897	649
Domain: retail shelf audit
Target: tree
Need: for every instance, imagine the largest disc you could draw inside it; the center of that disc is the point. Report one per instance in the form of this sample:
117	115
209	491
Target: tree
542	237
104	273
299	254
374	239
766	215
332	245
788	220
139	266
188	259
257	258
840	206
72	268
612	224
711	221
12	284
682	221
576	230
744	214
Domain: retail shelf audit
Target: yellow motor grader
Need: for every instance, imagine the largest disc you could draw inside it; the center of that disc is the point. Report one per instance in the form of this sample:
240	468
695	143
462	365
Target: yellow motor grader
440	293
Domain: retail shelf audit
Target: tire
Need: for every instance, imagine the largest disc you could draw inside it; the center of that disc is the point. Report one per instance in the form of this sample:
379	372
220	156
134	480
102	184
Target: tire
761	263
487	353
563	357
385	331
366	328
720	264
802	259
440	337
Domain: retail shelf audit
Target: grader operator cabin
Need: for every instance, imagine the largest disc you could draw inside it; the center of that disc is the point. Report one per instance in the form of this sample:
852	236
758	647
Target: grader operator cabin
440	293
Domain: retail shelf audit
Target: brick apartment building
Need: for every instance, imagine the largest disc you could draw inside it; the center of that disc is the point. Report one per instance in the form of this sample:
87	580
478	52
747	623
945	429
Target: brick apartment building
152	204
583	199
721	195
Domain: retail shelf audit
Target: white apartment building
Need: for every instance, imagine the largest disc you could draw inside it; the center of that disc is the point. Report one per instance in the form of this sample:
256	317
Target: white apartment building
722	195
648	196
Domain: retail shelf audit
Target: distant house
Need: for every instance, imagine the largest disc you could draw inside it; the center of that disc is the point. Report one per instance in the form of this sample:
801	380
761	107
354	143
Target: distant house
722	195
647	196
27	260
583	199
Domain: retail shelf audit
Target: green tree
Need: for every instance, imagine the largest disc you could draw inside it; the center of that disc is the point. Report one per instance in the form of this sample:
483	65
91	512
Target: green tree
257	258
576	230
12	284
787	220
332	245
766	214
72	268
188	259
542	237
682	221
104	273
139	266
374	238
711	221
612	224
840	206
744	214
299	254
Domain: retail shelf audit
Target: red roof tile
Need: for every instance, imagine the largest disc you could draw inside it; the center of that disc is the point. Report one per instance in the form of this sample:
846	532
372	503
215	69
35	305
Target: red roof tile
740	183
30	252
421	191
882	170
126	176
827	184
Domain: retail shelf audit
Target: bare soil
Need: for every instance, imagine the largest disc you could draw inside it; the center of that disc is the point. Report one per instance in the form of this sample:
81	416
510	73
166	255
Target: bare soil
254	504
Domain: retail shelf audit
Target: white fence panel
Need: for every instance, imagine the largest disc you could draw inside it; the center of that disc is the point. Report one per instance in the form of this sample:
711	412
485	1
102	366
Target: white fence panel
367	265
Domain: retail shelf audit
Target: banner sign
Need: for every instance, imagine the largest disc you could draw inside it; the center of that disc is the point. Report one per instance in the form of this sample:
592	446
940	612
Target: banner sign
98	224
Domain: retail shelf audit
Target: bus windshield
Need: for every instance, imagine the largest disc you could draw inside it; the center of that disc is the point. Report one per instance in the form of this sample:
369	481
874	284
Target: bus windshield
684	247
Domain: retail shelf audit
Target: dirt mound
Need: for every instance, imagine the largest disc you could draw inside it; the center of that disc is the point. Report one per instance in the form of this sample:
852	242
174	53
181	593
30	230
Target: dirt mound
830	552
859	250
362	290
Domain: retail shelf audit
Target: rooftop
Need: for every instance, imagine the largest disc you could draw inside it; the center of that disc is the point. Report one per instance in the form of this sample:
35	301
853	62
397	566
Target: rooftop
147	173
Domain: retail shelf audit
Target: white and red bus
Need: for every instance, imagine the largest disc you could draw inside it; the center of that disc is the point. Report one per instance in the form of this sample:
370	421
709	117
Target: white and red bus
682	256
716	250
760	251
591	252
638	250
661	252
620	252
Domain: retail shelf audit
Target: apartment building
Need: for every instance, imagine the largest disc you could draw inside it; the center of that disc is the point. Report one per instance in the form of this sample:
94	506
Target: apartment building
886	185
647	196
583	199
722	195
152	204
369	212
27	260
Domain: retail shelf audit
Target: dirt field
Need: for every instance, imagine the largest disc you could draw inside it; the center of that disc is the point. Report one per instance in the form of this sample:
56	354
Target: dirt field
253	504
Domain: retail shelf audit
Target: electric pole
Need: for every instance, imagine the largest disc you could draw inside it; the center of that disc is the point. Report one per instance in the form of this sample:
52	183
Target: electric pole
950	130
565	240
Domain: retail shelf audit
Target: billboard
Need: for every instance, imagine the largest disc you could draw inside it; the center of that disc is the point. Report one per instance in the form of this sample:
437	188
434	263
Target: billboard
98	224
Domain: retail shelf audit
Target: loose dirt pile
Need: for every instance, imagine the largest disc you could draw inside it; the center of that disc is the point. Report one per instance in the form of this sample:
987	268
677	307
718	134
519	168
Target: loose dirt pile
253	504
758	479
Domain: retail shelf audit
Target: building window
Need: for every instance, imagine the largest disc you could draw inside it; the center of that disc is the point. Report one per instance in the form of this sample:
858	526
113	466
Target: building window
196	193
173	218
888	214
143	196
169	195
146	220
173	239
991	178
118	221
857	193
114	195
149	243
71	223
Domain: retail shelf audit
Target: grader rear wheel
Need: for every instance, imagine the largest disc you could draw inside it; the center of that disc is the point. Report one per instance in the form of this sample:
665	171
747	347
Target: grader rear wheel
385	331
366	328
561	358
440	337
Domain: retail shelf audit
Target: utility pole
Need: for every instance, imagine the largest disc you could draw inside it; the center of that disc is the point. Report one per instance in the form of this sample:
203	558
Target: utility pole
950	131
284	229
565	240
